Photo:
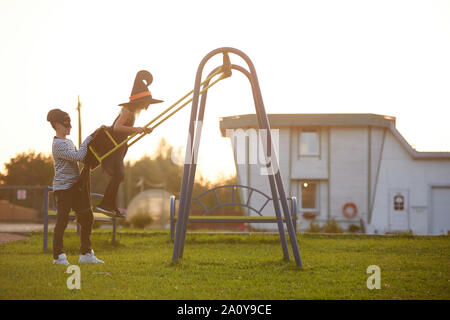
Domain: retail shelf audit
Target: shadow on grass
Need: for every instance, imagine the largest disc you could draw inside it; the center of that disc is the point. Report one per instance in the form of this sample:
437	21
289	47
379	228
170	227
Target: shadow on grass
280	265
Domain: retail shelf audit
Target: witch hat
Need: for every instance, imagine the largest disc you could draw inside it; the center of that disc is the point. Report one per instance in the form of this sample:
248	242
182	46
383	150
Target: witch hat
140	93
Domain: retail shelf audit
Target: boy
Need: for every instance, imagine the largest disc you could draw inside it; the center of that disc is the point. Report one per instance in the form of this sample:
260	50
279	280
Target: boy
72	190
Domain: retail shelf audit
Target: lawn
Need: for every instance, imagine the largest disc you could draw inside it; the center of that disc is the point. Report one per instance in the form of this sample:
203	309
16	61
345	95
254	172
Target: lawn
231	267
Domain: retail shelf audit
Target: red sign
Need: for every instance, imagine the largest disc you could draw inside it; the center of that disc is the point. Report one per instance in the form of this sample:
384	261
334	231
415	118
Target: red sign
21	194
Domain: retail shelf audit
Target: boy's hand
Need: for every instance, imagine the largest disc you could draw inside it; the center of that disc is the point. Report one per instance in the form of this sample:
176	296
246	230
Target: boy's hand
94	134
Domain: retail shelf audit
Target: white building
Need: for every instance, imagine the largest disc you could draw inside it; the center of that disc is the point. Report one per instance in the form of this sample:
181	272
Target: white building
350	167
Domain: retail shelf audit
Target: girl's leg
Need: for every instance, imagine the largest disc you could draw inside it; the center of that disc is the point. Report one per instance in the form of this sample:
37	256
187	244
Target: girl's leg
110	195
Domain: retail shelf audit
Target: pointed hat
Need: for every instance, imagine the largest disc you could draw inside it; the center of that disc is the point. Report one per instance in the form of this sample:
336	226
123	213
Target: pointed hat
140	92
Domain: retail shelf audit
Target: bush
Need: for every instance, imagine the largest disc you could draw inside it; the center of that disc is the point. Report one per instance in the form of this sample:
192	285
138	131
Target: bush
97	224
354	228
314	227
332	227
123	223
141	220
309	215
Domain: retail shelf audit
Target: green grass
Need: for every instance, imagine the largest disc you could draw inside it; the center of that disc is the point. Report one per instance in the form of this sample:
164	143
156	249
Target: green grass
231	267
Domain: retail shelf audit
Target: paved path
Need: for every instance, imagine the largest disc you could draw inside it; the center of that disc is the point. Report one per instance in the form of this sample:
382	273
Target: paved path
7	237
23	227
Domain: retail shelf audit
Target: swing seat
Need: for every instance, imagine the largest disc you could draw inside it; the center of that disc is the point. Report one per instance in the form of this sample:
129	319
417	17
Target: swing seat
99	146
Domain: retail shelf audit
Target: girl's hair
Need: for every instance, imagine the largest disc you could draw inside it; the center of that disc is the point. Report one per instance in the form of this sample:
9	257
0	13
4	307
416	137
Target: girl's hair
134	112
136	108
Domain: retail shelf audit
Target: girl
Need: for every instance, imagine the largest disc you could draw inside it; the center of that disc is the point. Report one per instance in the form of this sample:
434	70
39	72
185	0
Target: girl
123	127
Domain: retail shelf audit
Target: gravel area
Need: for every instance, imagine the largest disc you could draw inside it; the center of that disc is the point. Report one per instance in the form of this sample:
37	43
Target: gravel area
23	227
7	237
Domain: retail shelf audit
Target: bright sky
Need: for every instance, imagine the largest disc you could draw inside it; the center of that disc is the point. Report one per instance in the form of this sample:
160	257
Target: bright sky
385	57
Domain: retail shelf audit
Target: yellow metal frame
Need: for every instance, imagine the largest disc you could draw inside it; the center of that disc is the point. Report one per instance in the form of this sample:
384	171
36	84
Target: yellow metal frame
224	72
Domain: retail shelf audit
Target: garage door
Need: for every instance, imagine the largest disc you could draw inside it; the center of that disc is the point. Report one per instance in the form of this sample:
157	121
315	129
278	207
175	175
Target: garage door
440	210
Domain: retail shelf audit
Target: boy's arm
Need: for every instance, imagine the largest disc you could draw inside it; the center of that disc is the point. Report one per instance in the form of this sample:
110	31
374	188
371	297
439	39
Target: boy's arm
62	151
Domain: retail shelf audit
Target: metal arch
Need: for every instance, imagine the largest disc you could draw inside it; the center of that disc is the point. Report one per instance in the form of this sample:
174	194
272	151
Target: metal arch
232	186
173	200
293	200
191	151
275	180
232	204
185	218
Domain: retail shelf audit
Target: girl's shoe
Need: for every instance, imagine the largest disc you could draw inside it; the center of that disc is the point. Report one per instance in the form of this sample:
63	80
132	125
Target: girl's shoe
110	212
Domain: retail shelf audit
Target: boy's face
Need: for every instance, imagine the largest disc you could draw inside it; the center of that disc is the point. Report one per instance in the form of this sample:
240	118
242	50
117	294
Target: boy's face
64	126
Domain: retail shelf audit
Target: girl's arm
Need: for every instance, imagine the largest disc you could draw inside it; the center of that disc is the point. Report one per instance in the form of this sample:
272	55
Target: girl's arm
120	126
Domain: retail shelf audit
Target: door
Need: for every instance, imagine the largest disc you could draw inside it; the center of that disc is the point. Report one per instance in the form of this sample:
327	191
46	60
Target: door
440	210
398	210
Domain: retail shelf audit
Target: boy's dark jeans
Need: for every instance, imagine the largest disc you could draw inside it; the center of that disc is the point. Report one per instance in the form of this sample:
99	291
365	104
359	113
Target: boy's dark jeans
78	198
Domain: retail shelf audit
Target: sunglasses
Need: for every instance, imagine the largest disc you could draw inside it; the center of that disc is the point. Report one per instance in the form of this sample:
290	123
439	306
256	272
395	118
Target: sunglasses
66	123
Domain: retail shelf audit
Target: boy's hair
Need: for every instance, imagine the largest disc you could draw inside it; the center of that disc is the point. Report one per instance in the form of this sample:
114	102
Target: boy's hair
57	115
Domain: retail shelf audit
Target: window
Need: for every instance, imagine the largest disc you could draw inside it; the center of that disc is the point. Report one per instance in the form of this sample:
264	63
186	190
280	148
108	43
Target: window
399	202
308	196
308	143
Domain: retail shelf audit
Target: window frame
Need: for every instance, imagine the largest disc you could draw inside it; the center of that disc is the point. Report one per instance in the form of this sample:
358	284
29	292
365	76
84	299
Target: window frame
299	141
301	210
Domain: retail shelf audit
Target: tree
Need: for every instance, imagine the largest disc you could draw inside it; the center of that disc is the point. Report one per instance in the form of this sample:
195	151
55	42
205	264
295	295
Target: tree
158	169
29	169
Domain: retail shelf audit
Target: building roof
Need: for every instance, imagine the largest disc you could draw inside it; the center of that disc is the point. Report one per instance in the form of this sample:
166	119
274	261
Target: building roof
328	120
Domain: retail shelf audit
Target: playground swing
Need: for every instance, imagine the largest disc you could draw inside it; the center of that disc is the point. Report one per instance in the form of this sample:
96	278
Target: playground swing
280	202
279	199
95	157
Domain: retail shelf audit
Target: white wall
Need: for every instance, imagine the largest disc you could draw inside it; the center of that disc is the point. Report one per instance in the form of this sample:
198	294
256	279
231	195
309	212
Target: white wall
309	167
348	170
400	171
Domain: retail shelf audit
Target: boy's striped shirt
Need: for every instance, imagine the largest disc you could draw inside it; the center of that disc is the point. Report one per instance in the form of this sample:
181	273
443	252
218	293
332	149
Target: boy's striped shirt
65	159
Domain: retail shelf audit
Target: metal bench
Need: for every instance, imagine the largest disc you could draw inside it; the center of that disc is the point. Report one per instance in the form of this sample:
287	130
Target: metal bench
205	217
51	214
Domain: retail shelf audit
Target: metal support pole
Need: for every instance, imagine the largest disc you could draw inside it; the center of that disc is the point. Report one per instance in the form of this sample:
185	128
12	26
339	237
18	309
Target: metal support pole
114	225
280	187
270	177
193	160
184	182
46	190
194	143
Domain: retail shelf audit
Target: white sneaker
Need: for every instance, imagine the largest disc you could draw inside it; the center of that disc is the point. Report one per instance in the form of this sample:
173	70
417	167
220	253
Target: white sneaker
89	258
62	259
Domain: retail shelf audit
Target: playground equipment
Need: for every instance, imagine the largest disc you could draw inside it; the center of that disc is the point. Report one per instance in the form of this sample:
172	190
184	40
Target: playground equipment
206	217
193	143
